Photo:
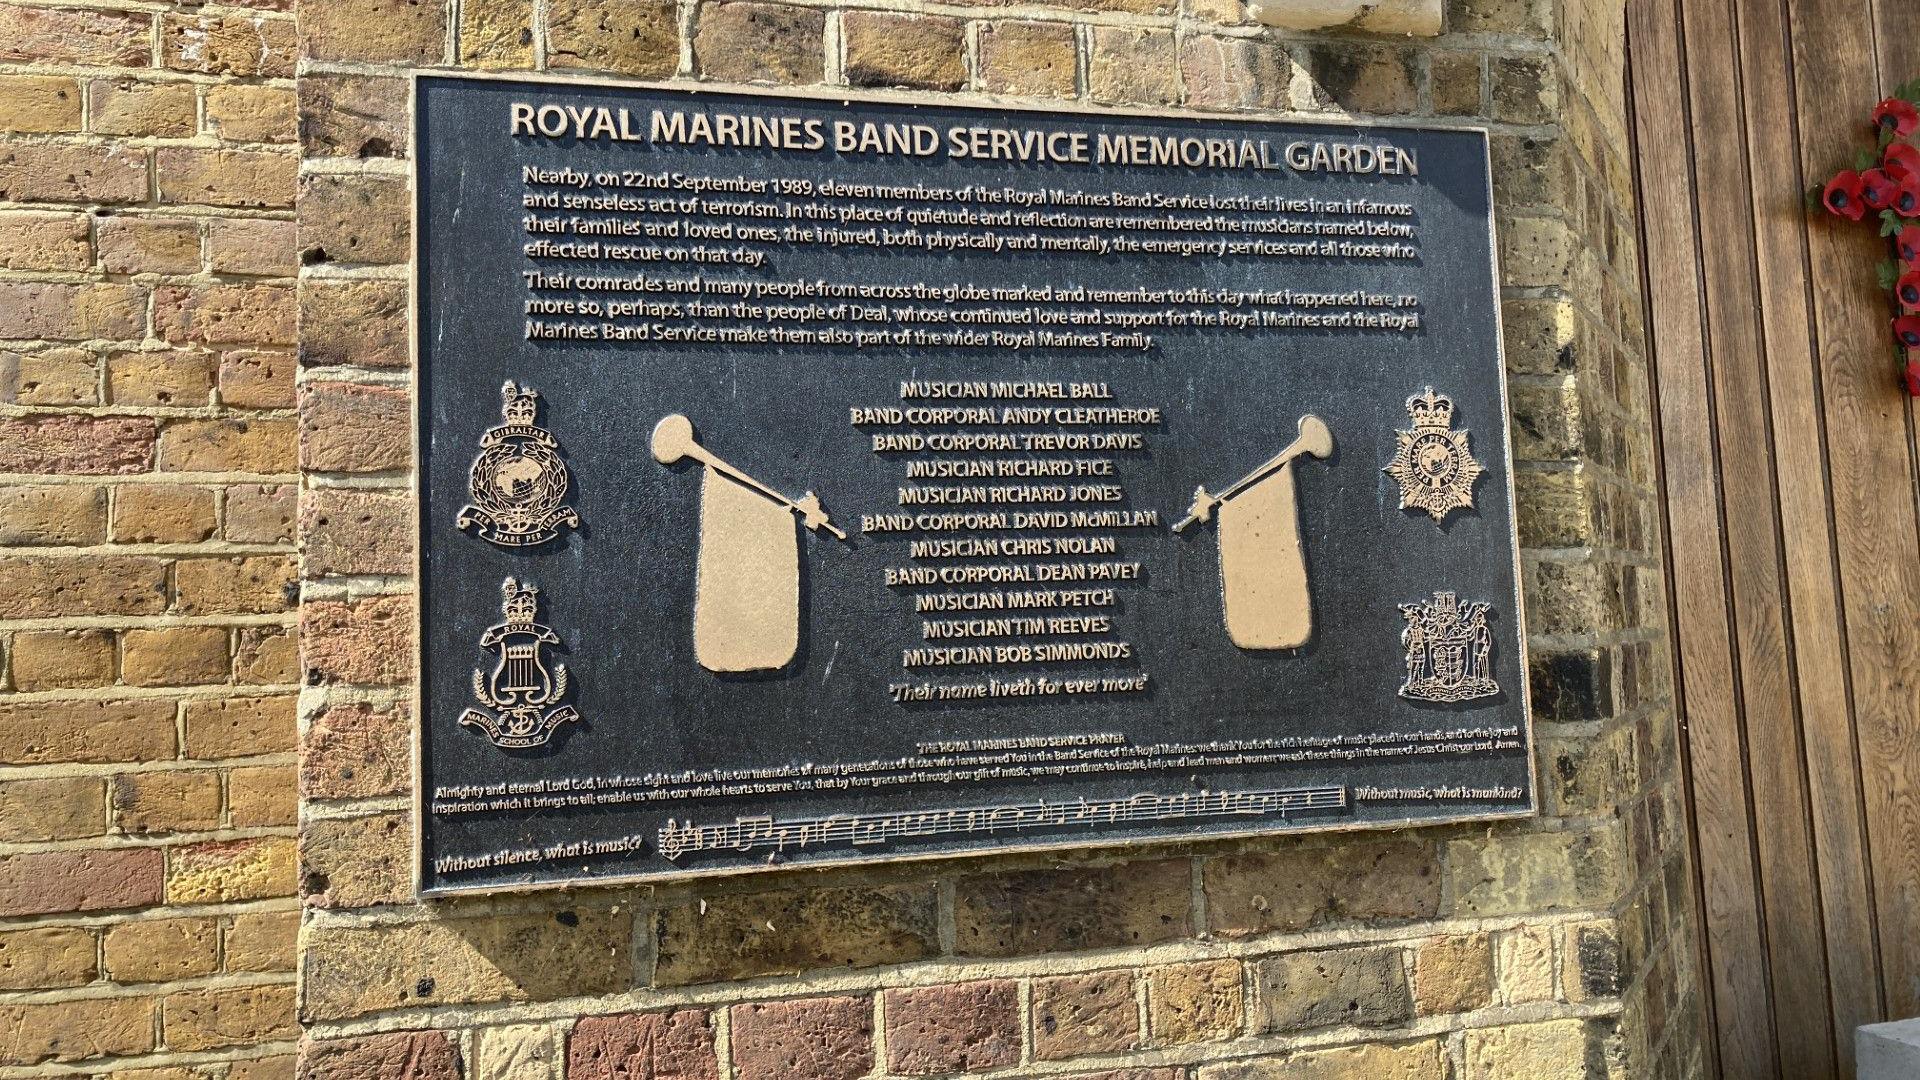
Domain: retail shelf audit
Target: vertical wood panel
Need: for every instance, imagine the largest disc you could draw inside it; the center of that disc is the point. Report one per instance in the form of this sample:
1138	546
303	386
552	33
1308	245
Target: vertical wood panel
1819	657
1871	458
1787	896
1720	809
1791	478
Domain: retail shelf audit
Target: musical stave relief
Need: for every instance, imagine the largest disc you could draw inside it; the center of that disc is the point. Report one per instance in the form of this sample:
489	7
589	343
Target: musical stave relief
678	839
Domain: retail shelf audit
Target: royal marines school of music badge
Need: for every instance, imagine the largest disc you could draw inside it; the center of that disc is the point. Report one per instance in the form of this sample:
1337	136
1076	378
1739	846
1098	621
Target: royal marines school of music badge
518	483
522	695
1434	464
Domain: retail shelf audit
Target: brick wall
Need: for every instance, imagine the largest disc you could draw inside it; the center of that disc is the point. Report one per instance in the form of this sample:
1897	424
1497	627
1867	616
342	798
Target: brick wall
149	457
147	571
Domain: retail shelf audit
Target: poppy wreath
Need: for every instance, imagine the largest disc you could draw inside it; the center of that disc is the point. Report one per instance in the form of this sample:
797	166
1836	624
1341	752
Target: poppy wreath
1885	183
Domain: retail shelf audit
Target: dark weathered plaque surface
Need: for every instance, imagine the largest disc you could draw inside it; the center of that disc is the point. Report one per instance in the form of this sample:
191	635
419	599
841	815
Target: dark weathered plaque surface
743	690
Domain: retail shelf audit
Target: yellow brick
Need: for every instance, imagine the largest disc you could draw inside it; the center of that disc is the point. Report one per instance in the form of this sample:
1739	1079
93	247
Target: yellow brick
62	659
37	103
262	796
46	957
176	656
262	941
162	514
55	808
162	950
186	801
206	1019
231	870
177	377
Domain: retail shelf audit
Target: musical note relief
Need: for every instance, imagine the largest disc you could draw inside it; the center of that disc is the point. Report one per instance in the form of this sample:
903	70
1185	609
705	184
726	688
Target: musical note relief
678	838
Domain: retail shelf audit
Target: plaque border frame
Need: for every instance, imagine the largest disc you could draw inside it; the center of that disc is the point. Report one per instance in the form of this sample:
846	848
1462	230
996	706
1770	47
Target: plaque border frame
418	800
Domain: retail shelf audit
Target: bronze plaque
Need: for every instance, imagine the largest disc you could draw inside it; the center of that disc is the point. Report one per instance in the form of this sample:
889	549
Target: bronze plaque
808	480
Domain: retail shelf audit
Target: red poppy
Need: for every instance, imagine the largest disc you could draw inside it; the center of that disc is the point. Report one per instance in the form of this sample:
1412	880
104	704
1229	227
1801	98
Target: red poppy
1842	196
1910	378
1906	197
1907	329
1897	116
1877	189
1901	159
1908	290
1908	244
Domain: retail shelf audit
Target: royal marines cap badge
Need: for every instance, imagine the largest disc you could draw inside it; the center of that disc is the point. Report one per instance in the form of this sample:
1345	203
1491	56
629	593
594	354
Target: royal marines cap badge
518	483
522	694
1433	464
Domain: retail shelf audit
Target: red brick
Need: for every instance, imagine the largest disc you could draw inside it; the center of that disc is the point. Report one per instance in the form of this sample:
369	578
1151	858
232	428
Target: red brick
363	642
249	314
50	587
347	533
93	732
672	1045
76	445
228	45
398	1055
54	172
354	750
39	35
967	1027
47	882
347	427
829	1038
63	311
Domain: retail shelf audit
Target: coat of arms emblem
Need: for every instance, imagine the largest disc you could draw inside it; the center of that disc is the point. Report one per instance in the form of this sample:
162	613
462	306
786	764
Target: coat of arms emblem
518	483
1433	464
522	695
1449	650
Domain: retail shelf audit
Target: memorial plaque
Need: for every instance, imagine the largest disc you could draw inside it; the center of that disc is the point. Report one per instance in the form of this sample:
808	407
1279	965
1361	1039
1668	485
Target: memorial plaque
808	480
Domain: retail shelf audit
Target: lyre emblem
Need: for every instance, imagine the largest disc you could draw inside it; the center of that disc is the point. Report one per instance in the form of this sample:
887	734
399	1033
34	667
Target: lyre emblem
1449	650
1433	464
521	689
518	483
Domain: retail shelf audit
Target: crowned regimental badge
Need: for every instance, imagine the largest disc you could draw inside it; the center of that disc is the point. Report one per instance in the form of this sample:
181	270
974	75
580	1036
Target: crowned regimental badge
1433	464
1449	650
518	483
522	695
